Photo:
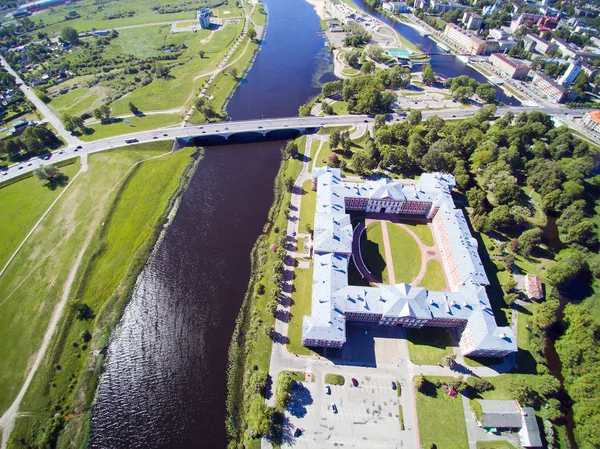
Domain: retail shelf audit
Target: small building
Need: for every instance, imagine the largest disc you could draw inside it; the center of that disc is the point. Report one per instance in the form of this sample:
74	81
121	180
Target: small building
506	45
591	121
19	126
472	20
539	44
552	89
335	28
498	34
533	287
395	7
509	415
204	18
509	66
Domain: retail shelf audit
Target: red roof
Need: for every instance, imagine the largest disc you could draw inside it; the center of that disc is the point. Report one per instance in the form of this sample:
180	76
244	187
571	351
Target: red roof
533	287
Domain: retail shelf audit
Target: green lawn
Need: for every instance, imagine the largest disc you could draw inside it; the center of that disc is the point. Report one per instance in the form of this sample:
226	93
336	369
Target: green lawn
75	102
428	345
350	71
307	207
423	232
144	123
441	420
494	445
301	306
406	254
373	252
434	277
125	226
340	108
22	204
330	129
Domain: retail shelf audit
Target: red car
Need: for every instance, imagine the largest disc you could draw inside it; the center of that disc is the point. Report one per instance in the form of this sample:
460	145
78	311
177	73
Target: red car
354	382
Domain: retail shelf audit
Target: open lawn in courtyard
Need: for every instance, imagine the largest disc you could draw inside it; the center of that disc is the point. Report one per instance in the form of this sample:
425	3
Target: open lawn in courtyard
428	345
434	277
373	252
441	419
423	231
308	203
22	204
406	254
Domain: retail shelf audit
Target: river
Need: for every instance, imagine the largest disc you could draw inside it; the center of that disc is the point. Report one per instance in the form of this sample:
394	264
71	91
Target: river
165	379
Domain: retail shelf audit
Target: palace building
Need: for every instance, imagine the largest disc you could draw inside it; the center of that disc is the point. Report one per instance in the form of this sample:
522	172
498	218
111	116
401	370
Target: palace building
464	307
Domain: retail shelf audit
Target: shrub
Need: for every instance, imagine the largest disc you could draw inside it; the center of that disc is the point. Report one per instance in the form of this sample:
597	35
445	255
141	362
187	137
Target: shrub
334	379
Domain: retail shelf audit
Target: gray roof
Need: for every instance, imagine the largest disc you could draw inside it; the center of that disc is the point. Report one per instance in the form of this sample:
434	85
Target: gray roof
530	432
502	414
332	297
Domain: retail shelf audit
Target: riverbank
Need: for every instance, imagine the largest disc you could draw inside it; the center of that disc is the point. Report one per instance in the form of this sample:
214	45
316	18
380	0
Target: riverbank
123	228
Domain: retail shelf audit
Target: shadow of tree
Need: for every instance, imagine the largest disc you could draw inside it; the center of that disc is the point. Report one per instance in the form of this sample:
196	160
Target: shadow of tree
372	258
300	398
59	180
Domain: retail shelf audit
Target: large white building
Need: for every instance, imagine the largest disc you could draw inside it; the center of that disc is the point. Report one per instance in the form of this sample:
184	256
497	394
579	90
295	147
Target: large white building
572	71
509	66
465	306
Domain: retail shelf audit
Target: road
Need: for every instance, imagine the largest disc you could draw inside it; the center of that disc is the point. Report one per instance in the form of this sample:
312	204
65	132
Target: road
226	129
41	107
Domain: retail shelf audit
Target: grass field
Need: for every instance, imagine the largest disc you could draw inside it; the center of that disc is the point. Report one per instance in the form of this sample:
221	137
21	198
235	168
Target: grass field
373	252
423	231
428	345
307	207
143	123
36	278
434	277
340	108
301	306
441	419
406	254
494	445
22	204
76	102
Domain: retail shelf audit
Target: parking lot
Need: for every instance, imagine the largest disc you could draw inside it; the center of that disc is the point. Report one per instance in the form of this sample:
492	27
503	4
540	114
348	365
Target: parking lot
367	415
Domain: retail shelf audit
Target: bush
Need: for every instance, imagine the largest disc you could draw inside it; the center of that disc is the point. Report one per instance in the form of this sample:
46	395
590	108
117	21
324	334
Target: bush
334	379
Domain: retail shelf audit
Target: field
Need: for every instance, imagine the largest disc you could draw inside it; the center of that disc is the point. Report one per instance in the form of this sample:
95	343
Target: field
301	306
373	252
115	190
441	419
428	345
143	123
22	204
434	277
406	254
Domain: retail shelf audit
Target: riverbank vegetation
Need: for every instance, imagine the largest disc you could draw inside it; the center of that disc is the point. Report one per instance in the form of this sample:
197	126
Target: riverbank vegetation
254	333
99	235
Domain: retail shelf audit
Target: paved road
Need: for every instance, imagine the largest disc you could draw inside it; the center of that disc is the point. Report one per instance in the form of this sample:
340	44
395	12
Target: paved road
226	129
41	107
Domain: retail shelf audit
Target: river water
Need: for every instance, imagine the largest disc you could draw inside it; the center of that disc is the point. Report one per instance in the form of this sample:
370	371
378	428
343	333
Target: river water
165	379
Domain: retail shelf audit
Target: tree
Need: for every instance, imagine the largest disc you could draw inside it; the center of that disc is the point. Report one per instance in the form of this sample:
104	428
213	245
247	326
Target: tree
449	360
333	160
428	75
499	219
362	163
528	240
462	94
133	108
201	53
334	138
486	92
259	418
414	117
252	33
352	57
289	183
327	108
69	34
379	121
46	172
374	52
233	72
368	67
291	149
159	70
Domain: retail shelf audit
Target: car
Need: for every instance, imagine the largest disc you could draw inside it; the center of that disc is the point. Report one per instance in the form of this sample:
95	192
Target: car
285	125
131	141
354	382
298	432
4	173
20	167
30	164
327	389
201	127
165	135
294	234
334	408
78	147
454	116
203	132
75	150
366	121
155	137
260	127
216	130
226	129
322	124
394	386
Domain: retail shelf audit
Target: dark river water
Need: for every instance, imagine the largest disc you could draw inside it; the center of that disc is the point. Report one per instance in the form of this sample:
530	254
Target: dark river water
165	379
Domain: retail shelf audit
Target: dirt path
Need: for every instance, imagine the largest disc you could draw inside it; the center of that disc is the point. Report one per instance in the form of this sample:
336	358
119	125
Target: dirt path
389	260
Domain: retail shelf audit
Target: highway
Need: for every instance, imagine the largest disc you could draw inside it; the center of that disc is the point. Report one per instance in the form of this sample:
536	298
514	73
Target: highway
261	126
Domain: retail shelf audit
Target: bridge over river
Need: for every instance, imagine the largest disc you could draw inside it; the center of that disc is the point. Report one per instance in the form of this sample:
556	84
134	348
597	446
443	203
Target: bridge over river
250	130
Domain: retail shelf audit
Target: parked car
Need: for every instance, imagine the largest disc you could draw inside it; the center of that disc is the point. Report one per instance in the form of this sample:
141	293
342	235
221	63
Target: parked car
78	147
327	389
334	408
354	382
394	386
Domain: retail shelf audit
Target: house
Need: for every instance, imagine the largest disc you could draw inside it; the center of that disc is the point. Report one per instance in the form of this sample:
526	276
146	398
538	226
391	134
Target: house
591	121
509	66
395	7
465	307
498	34
509	415
533	287
538	44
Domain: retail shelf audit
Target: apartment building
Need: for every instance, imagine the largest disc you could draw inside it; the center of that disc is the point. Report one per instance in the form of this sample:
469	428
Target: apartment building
509	66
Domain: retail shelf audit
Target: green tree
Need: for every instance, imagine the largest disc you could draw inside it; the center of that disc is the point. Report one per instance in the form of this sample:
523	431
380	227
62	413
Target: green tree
233	72
362	163
290	150
133	108
428	75
379	121
258	418
334	138
252	33
528	240
201	53
414	117
486	92
69	34
462	94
